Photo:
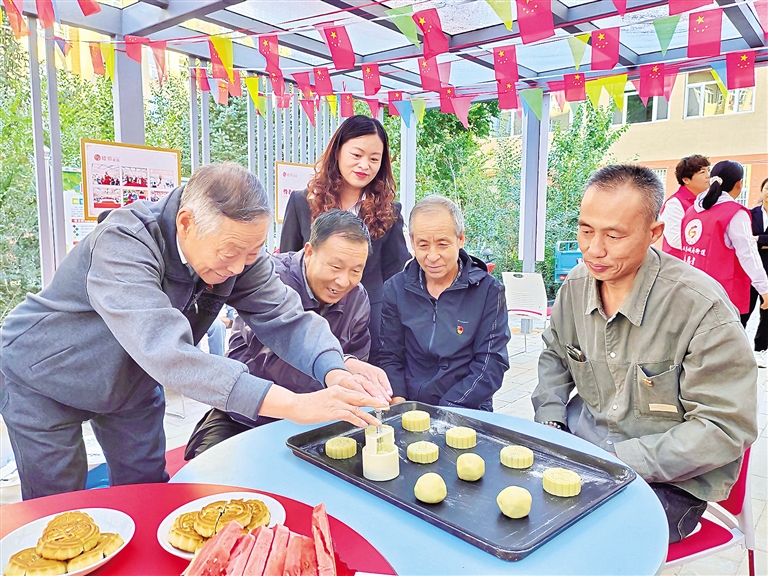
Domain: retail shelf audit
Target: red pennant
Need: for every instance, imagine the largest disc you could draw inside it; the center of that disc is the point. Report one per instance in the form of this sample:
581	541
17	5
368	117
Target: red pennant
64	45
341	48
559	96
89	7
234	87
761	8
445	72
740	69
133	46
670	75
574	87
285	100
605	48
534	18
435	42
461	109
430	74
394	96
278	83
97	59
447	94
347	105
16	20
621	6
202	80
269	48
505	64
309	109
45	12
636	84
507	95
323	85
217	66
222	92
680	6
158	51
373	106
371	79
651	80
704	33
302	80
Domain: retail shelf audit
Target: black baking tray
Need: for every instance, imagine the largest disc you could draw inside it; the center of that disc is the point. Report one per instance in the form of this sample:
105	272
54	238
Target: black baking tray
470	511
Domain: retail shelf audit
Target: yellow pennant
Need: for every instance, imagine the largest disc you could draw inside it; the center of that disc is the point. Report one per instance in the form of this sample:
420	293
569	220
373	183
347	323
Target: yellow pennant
259	102
226	52
108	53
419	106
615	86
333	102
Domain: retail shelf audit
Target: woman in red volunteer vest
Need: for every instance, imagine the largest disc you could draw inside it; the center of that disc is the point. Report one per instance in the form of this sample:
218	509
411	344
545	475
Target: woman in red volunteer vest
717	238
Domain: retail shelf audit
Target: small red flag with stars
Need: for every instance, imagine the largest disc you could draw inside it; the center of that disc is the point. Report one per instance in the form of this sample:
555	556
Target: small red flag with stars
680	6
347	105
574	88
133	46
447	94
534	18
97	58
202	80
45	12
371	79
323	84
89	7
651	80
605	49
704	33
394	96
740	69
435	42
505	64
15	19
218	70
430	74
507	95
302	80
341	48
278	83
269	48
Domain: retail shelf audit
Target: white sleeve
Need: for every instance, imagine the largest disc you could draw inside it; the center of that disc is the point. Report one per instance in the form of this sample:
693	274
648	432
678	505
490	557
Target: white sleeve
672	216
739	235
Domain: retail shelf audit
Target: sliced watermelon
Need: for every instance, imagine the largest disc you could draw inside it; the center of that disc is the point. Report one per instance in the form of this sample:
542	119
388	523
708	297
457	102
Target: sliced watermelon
213	557
301	559
260	552
321	533
241	551
276	560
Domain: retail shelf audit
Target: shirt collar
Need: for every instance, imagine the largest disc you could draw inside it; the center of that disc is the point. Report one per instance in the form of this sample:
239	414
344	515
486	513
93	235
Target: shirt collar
183	258
633	307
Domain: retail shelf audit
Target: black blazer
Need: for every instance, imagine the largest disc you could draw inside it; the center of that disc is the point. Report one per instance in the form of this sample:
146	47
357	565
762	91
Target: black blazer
758	229
389	253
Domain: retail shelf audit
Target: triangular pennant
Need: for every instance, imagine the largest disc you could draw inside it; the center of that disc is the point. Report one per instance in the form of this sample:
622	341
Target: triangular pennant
461	106
401	17
615	86
670	76
533	97
578	45
720	74
97	60
419	107
559	96
503	9
593	89
761	9
108	52
16	20
665	29
621	6
133	46
201	74
303	82
333	102
309	109
404	110
636	84
46	13
252	85
158	51
373	106
235	88
445	72
225	52
64	45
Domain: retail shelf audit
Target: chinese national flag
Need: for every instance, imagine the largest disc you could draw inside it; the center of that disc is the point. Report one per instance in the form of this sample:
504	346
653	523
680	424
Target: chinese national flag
605	48
704	33
202	80
302	81
268	48
651	80
573	85
341	48
680	6
217	66
507	95
447	94
371	79
534	18
15	19
222	92
45	12
430	74
278	84
394	96
435	42
323	85
234	87
96	58
505	64
89	7
347	105
133	46
740	69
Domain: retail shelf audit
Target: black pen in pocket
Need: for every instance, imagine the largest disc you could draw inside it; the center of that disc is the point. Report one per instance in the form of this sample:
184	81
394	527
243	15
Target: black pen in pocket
575	353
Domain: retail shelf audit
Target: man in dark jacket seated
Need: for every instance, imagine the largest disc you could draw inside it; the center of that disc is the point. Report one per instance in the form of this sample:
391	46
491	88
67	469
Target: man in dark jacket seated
444	330
326	274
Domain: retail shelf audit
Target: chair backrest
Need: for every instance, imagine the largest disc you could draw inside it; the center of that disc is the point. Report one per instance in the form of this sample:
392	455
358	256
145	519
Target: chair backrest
525	293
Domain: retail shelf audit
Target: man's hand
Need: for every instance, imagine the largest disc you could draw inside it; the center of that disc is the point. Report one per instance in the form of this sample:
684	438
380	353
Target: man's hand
378	382
334	403
764	305
358	383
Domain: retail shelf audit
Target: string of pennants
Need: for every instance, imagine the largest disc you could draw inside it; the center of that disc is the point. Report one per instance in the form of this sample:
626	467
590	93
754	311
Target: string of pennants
535	23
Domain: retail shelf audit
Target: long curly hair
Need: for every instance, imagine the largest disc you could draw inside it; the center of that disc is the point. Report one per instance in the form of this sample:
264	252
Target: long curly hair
377	209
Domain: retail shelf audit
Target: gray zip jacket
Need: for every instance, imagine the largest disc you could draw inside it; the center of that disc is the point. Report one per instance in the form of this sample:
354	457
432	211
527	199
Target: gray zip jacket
123	314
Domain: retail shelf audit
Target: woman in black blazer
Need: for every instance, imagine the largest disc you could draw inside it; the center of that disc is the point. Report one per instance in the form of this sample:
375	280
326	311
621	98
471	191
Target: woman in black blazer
354	173
760	233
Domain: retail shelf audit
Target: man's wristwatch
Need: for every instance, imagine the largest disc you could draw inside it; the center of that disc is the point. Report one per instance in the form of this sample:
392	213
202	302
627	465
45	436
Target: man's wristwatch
555	424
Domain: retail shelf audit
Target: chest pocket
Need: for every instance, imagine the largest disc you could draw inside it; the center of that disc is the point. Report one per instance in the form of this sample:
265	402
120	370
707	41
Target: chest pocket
657	392
586	384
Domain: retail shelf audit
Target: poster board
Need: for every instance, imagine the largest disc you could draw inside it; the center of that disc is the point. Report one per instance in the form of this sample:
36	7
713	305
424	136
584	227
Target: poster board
77	227
116	174
289	177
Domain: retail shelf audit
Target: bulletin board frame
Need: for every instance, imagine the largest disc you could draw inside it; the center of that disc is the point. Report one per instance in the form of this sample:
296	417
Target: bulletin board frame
289	176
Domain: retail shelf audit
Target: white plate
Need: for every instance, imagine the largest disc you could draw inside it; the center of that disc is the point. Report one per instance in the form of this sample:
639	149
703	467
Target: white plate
276	512
106	519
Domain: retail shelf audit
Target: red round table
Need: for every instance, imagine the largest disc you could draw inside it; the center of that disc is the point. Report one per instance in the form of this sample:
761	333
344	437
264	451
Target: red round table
149	504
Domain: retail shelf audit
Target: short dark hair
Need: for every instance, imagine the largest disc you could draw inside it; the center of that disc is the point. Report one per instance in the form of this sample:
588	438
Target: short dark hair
339	223
689	166
643	179
763	183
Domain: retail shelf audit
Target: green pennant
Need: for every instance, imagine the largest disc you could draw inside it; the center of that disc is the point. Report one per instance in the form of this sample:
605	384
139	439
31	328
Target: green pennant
419	107
534	98
503	9
594	88
578	45
665	29
615	86
401	17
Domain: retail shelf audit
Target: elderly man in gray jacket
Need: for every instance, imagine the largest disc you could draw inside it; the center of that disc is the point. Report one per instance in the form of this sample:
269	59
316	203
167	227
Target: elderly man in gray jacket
120	321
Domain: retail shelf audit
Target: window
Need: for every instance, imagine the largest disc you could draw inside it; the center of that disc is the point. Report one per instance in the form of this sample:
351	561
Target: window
662	174
743	196
635	112
508	124
705	98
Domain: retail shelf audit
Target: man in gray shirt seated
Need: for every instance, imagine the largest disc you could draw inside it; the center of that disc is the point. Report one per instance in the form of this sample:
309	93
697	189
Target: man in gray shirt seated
662	369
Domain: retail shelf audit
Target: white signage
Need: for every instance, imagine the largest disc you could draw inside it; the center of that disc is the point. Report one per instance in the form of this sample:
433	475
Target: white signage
289	177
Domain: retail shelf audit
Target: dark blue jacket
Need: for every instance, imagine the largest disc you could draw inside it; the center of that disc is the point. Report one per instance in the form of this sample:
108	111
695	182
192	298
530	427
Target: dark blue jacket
449	351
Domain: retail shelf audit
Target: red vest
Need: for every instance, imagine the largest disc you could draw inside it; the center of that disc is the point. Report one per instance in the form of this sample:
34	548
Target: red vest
703	240
686	198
